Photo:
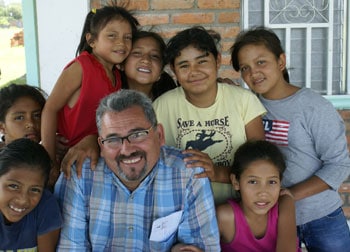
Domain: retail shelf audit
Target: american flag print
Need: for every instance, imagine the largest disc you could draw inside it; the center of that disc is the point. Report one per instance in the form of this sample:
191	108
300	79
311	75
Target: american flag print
276	131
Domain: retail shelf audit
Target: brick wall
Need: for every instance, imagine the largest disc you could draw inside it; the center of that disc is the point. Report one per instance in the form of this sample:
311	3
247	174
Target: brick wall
169	16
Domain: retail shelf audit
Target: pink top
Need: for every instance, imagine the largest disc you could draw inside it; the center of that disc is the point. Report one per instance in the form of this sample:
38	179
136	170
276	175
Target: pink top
244	239
79	121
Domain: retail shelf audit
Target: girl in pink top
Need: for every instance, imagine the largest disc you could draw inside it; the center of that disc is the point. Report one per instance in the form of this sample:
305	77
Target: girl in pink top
70	109
263	219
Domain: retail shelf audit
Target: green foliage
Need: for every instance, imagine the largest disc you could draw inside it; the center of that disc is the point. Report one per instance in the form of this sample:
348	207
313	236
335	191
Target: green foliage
4	22
10	13
15	11
2	11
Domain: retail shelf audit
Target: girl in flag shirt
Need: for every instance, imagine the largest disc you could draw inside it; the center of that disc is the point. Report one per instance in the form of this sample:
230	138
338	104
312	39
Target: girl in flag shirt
310	133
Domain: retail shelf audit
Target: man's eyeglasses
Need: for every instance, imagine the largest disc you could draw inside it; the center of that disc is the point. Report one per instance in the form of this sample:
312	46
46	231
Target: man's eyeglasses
133	138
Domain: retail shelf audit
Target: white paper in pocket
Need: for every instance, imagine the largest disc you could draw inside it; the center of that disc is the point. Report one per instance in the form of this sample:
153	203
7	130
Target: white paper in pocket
163	227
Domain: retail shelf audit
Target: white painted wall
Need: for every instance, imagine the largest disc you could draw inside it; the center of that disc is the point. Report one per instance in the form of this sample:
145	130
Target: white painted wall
60	23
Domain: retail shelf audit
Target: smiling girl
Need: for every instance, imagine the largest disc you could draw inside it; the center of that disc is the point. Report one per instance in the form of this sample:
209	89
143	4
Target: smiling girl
30	218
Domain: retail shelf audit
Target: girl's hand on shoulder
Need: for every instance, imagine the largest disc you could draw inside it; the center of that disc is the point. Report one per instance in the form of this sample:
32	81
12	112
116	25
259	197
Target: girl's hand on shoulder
197	158
86	148
285	191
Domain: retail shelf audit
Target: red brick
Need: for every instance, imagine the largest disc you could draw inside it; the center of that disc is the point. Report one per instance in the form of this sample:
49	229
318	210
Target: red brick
137	4
153	19
219	4
225	60
228	31
169	33
193	18
229	17
171	4
226	46
130	5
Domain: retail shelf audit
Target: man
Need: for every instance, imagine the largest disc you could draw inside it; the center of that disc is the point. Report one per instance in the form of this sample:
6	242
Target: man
140	197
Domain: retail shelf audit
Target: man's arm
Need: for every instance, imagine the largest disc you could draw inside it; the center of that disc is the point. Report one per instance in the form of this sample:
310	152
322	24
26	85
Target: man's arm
199	226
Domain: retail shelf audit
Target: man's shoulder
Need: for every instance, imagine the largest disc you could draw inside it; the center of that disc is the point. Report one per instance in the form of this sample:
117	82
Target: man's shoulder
87	174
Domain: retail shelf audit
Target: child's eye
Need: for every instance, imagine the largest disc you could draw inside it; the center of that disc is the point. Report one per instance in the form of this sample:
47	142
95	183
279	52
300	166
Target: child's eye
252	182
19	118
128	37
37	115
156	57
183	66
260	62
243	69
273	182
136	53
36	190
13	186
202	61
112	36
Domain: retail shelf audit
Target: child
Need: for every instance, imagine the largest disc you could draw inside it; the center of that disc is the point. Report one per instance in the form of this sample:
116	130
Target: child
310	133
258	221
207	119
30	218
143	72
70	109
143	67
20	112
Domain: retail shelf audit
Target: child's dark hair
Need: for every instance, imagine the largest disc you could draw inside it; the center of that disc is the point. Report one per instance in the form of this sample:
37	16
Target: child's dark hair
257	36
196	36
252	151
25	152
97	19
10	94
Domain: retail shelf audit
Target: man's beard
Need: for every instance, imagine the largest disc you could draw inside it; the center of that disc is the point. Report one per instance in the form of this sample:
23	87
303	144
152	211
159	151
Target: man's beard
133	176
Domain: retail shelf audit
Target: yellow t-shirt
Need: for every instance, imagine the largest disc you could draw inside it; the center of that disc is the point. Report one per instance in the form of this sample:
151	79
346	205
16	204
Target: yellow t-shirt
217	130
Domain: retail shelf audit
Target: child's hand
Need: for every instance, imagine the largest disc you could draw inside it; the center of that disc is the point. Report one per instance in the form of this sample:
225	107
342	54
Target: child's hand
200	159
285	191
86	148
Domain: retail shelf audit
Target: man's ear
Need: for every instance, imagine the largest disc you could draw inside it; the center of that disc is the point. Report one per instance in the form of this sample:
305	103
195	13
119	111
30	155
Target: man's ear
234	181
99	141
160	132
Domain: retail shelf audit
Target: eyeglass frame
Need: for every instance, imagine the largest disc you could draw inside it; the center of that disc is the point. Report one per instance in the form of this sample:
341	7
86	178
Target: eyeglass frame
103	140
